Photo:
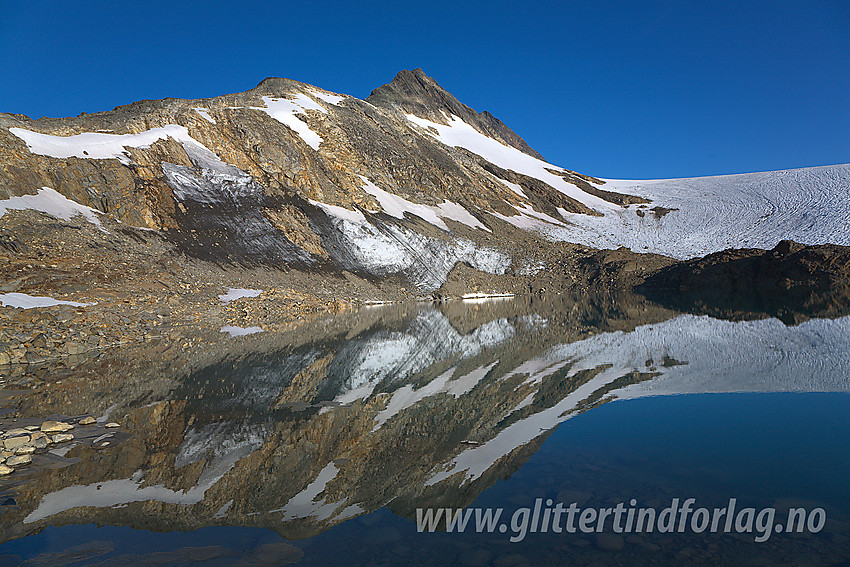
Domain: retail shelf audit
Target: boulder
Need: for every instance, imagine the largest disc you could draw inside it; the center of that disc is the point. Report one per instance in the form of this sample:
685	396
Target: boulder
18	460
13	443
55	427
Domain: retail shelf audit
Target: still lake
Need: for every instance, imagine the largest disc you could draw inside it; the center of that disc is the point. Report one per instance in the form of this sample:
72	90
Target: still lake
330	443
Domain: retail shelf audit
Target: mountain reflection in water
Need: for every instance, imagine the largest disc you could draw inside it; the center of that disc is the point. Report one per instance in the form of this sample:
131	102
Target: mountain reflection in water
395	407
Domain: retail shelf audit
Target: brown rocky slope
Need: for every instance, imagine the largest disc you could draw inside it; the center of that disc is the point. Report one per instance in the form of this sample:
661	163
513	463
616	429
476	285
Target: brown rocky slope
319	200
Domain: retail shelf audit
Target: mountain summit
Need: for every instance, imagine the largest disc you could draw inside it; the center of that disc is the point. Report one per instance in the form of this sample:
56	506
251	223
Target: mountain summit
406	194
414	92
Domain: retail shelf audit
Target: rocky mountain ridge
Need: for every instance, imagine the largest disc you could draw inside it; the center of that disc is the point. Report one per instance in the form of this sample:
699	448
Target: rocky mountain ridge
322	200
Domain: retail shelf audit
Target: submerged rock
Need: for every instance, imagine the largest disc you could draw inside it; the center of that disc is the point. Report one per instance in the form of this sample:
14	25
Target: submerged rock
13	443
62	437
18	460
39	440
16	432
55	426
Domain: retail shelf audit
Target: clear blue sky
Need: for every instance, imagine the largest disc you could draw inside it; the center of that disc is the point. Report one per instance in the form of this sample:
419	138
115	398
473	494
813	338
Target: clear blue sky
615	89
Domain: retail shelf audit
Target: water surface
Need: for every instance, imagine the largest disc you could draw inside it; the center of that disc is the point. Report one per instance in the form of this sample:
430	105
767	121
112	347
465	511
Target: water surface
318	445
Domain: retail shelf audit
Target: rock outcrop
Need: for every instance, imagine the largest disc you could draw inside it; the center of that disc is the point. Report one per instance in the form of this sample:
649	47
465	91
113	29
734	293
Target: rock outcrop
791	282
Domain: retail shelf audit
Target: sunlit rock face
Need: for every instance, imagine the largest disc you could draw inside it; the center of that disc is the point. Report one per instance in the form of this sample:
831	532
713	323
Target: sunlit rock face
399	406
406	184
283	175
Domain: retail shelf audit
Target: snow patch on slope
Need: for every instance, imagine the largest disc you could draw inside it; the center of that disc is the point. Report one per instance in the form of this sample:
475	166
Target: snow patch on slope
530	219
53	203
382	249
234	293
205	114
340	212
460	134
455	212
284	110
96	145
485	297
26	301
328	97
396	206
210	187
218	182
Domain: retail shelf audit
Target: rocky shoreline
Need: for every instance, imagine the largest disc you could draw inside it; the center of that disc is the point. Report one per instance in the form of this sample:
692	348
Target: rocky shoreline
22	441
185	306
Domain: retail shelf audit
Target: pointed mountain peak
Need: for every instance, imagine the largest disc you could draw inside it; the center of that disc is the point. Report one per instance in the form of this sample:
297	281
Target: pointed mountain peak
417	82
417	73
417	93
414	92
